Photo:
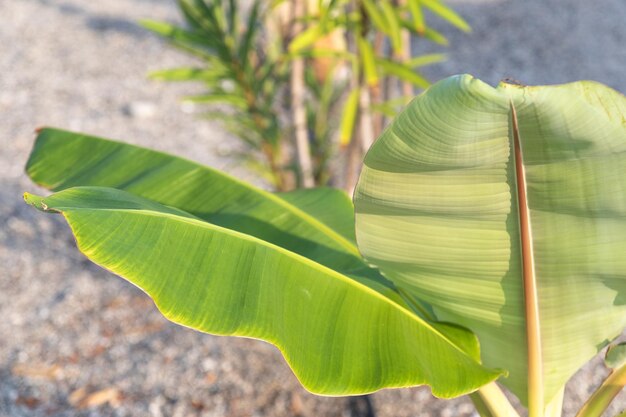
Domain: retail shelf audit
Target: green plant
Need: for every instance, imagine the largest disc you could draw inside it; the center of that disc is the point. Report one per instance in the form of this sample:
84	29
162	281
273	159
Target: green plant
239	70
484	214
375	44
272	70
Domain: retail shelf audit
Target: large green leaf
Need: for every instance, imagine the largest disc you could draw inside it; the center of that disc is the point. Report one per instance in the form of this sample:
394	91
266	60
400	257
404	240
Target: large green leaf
316	223
437	210
339	336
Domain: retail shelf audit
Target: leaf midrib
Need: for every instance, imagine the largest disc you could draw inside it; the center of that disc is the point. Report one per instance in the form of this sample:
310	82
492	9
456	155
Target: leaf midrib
531	304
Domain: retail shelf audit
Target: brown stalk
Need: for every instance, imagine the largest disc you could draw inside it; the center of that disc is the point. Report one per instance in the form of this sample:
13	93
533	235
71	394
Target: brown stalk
365	119
303	149
404	56
376	91
533	330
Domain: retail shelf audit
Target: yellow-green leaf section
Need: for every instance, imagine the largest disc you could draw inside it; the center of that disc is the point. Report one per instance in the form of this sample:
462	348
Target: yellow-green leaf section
339	336
437	212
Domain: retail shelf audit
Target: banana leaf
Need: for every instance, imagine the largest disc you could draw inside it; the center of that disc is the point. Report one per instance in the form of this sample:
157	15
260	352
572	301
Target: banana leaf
339	336
504	210
221	256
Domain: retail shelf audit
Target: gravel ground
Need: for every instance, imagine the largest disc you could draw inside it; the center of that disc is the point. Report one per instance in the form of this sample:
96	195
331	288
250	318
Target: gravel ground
77	341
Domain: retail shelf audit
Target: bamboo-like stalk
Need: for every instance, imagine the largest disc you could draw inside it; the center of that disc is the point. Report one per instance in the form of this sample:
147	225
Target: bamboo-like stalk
365	119
404	56
303	149
376	92
533	330
353	160
353	152
490	401
602	397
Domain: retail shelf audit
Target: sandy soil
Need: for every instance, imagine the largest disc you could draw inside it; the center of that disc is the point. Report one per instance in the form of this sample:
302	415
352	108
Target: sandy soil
77	341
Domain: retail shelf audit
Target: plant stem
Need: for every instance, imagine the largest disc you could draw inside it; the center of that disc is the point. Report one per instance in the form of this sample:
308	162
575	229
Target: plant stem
533	330
353	160
376	91
297	101
365	119
602	397
480	406
404	56
270	156
555	407
269	151
490	401
353	152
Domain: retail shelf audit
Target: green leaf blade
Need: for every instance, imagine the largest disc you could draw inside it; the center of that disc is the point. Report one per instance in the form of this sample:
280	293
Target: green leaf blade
62	159
436	211
339	336
576	194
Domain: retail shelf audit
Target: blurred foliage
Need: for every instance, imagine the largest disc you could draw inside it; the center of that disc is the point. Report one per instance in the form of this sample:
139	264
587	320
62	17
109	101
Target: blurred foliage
358	71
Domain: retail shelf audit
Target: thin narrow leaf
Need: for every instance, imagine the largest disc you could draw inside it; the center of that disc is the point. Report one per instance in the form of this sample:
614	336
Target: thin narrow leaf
436	36
369	63
246	44
376	16
393	25
429	33
402	71
207	21
187	74
418	17
438	7
231	99
423	60
305	39
233	17
391	107
200	16
323	53
211	15
189	41
348	117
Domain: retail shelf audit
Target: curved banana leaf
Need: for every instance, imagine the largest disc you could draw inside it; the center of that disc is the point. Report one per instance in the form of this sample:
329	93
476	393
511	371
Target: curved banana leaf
438	210
62	159
339	336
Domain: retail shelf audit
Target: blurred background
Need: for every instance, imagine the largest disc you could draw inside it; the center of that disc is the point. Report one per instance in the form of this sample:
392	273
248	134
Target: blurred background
77	341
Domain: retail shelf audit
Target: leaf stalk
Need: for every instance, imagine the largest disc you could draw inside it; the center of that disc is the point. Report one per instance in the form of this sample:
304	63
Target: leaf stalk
604	395
490	401
533	329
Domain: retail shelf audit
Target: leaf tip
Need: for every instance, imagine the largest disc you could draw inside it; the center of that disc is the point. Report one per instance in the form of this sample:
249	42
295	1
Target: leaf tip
35	201
155	76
